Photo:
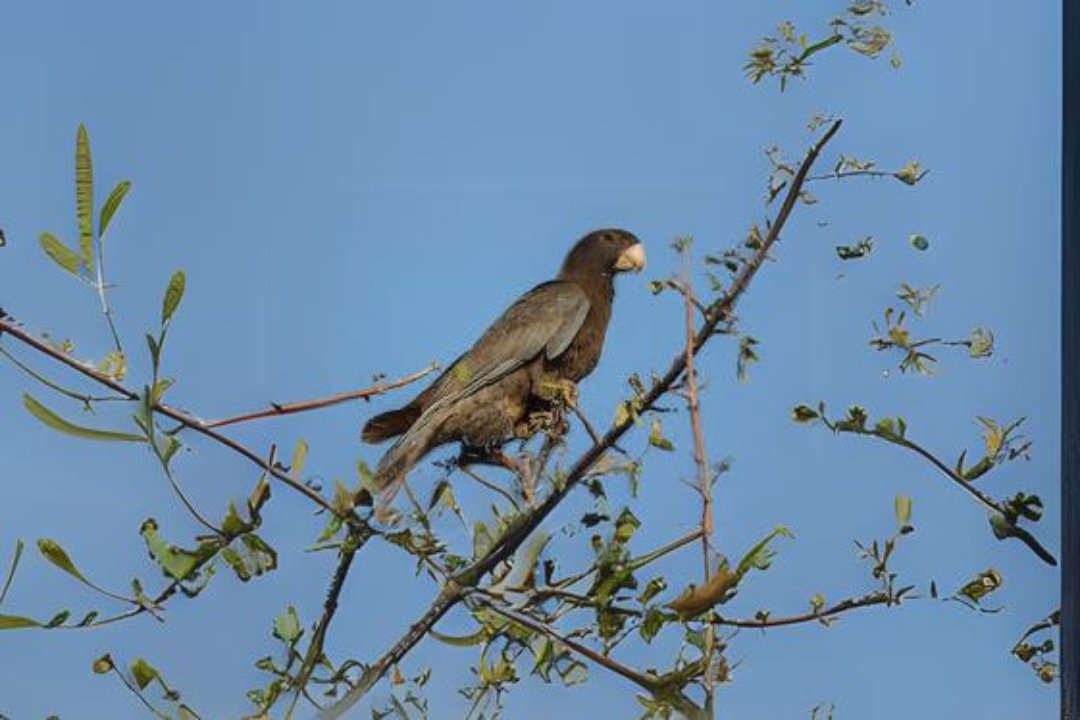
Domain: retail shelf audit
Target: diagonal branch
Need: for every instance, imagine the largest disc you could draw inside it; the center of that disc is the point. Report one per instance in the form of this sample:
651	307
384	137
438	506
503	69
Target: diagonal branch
523	526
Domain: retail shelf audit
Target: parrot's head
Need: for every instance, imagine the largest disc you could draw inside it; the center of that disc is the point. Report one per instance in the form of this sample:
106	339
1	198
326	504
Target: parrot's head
604	253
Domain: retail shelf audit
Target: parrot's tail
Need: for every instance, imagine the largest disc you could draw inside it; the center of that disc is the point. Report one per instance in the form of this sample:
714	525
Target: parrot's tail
389	424
395	465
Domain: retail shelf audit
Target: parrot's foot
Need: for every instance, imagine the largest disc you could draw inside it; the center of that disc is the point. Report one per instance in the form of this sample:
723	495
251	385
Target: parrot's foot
551	422
561	392
473	455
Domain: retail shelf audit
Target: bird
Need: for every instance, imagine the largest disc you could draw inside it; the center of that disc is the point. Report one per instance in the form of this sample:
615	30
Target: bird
526	363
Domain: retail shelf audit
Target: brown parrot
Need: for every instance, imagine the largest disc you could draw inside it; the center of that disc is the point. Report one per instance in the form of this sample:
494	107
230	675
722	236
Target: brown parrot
529	358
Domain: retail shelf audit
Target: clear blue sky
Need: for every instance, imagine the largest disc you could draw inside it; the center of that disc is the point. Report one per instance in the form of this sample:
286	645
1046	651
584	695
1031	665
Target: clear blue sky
354	189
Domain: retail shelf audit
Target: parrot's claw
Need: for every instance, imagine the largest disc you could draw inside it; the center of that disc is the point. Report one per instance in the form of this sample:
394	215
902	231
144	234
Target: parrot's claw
564	392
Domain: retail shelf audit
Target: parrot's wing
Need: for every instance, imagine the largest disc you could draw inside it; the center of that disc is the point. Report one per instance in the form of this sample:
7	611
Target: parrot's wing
546	319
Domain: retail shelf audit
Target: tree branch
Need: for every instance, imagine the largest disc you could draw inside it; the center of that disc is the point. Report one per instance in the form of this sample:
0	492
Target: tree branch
1015	530
704	475
9	327
278	409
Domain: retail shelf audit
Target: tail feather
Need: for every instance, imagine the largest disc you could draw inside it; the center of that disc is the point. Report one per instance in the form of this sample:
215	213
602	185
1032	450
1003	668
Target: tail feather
389	424
394	467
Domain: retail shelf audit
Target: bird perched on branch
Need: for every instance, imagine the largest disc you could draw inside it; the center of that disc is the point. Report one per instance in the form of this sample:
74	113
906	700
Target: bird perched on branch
524	365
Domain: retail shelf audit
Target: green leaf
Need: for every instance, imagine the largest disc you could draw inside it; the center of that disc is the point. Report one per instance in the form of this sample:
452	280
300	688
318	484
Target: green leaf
56	422
625	526
155	351
112	204
980	343
902	505
143	673
299	458
656	437
17	622
177	563
911	173
460	640
760	556
59	557
367	478
654	621
60	253
803	414
103	664
287	626
173	294
84	196
986	583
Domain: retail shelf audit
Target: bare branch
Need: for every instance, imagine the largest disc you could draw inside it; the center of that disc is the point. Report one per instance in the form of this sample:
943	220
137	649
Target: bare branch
704	474
279	409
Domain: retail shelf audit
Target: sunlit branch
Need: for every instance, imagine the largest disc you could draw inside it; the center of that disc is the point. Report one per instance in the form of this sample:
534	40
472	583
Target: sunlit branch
879	597
279	409
704	473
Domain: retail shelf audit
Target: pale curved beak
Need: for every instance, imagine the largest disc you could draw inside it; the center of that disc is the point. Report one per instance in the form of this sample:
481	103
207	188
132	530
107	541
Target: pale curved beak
632	258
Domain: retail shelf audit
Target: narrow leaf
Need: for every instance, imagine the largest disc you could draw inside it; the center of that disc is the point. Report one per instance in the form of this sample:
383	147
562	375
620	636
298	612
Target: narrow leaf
15	622
59	557
60	253
56	422
173	294
299	458
84	196
112	204
463	640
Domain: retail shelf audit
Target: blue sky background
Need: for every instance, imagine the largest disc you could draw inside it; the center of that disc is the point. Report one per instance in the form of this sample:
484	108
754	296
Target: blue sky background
354	189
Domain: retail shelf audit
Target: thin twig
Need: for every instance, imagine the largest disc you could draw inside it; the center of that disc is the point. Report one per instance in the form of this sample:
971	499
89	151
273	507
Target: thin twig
1020	533
522	527
138	693
704	475
278	409
638	562
494	487
184	498
850	173
86	400
585	424
101	287
878	597
646	682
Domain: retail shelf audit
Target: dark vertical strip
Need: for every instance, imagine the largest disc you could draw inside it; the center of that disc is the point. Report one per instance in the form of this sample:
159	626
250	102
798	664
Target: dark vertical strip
1070	379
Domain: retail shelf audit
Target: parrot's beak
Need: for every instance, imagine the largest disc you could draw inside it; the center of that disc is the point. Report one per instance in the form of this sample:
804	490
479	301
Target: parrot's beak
632	258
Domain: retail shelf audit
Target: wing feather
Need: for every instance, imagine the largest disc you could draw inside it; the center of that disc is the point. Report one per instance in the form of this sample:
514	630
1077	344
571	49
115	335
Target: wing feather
545	319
